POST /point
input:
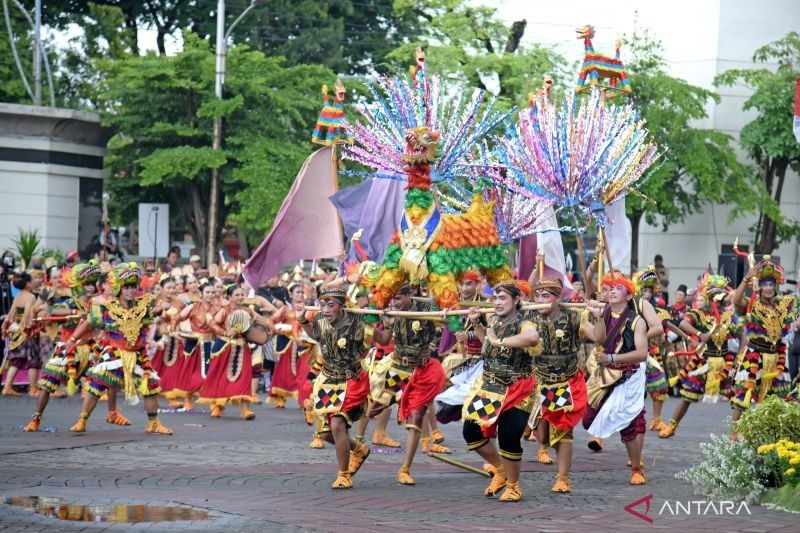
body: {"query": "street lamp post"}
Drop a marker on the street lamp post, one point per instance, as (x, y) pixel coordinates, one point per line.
(219, 81)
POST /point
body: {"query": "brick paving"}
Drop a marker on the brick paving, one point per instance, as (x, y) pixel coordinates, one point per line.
(262, 476)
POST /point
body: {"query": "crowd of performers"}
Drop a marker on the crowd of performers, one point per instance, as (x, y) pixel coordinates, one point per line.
(528, 362)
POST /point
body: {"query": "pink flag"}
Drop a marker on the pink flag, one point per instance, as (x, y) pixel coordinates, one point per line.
(548, 238)
(307, 225)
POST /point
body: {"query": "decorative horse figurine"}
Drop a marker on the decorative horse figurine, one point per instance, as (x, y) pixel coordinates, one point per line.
(607, 73)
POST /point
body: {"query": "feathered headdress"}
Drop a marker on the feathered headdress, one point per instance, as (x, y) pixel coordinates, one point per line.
(768, 270)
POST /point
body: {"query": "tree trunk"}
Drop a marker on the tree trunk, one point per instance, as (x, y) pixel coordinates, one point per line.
(768, 240)
(133, 37)
(196, 216)
(515, 36)
(162, 49)
(636, 219)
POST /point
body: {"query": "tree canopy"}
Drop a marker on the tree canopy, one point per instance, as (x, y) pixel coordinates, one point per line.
(768, 139)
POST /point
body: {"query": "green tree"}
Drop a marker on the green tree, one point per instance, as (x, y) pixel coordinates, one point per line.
(12, 90)
(768, 138)
(162, 109)
(468, 43)
(700, 165)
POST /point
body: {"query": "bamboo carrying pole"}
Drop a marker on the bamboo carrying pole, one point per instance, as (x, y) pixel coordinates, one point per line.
(438, 315)
(459, 464)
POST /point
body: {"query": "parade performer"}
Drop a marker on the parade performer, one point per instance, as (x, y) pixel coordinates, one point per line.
(197, 343)
(616, 386)
(766, 318)
(22, 334)
(500, 402)
(709, 370)
(289, 347)
(461, 352)
(66, 368)
(123, 362)
(409, 375)
(645, 305)
(230, 373)
(167, 346)
(342, 386)
(559, 382)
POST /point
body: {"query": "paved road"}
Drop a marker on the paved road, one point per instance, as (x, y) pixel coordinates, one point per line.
(261, 476)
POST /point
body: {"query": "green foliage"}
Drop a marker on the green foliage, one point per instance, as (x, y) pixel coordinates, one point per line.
(55, 253)
(786, 497)
(27, 244)
(768, 139)
(700, 165)
(12, 89)
(467, 43)
(162, 109)
(770, 421)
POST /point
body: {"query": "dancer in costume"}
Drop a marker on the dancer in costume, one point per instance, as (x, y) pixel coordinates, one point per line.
(66, 368)
(616, 386)
(644, 303)
(709, 370)
(258, 305)
(559, 381)
(197, 345)
(22, 333)
(123, 362)
(766, 318)
(289, 347)
(500, 402)
(166, 353)
(342, 386)
(461, 352)
(230, 374)
(409, 375)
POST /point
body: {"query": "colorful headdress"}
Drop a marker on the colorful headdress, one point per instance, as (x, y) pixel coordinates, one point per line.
(77, 276)
(768, 270)
(333, 293)
(525, 288)
(550, 284)
(646, 278)
(511, 287)
(619, 279)
(472, 275)
(713, 284)
(126, 274)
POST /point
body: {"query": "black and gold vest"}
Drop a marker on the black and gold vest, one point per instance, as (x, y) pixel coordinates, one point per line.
(501, 364)
(343, 344)
(414, 339)
(560, 340)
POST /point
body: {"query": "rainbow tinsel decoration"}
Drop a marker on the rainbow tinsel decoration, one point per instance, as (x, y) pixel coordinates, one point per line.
(579, 157)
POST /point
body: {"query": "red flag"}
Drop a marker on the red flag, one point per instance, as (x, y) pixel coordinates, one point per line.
(307, 225)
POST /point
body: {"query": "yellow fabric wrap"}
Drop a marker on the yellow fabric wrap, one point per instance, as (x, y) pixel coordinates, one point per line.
(128, 364)
(385, 379)
(769, 364)
(483, 406)
(716, 365)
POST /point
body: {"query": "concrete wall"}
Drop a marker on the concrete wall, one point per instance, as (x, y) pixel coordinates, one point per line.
(44, 153)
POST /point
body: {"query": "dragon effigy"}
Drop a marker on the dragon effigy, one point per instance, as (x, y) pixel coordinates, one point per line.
(414, 131)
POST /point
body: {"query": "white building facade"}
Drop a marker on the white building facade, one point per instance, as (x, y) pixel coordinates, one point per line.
(51, 175)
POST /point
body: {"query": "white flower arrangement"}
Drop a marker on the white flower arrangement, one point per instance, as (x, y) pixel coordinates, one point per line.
(730, 470)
